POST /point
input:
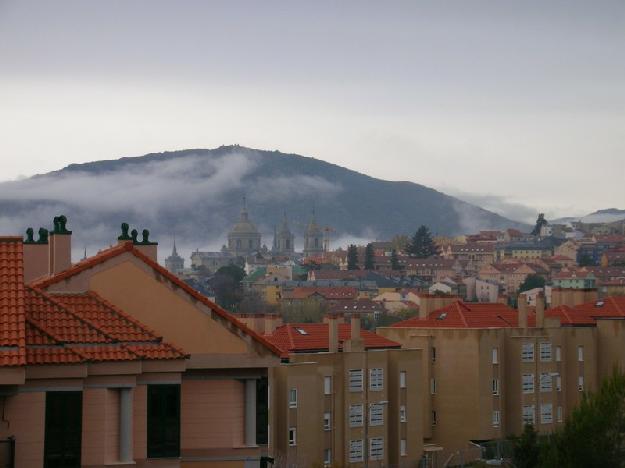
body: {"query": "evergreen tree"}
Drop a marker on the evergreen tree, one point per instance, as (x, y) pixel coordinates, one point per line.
(532, 281)
(395, 261)
(422, 245)
(352, 257)
(369, 257)
(526, 448)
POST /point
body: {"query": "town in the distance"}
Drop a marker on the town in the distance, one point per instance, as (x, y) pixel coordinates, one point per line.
(418, 350)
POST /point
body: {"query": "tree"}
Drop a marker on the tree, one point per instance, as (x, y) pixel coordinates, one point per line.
(526, 448)
(585, 260)
(400, 242)
(395, 261)
(594, 434)
(422, 245)
(369, 257)
(540, 222)
(227, 286)
(532, 281)
(352, 257)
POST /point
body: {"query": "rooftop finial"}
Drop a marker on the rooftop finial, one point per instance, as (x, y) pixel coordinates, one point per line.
(133, 235)
(60, 225)
(43, 236)
(124, 235)
(29, 236)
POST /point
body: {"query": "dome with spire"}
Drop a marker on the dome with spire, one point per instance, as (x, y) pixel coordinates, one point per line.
(244, 238)
(284, 239)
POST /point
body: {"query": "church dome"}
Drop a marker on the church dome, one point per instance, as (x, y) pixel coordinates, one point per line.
(244, 225)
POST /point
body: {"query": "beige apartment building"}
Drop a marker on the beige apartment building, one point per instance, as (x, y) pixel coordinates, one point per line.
(491, 369)
(346, 397)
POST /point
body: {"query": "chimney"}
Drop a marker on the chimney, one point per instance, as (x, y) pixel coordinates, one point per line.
(333, 333)
(36, 252)
(355, 342)
(426, 305)
(540, 310)
(60, 246)
(145, 246)
(522, 311)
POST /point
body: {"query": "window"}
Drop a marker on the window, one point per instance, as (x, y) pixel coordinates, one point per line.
(292, 436)
(433, 354)
(495, 386)
(402, 448)
(402, 414)
(528, 414)
(376, 414)
(355, 380)
(580, 353)
(580, 383)
(376, 379)
(434, 421)
(496, 418)
(527, 352)
(433, 386)
(355, 451)
(545, 351)
(559, 413)
(293, 398)
(558, 353)
(327, 421)
(546, 413)
(376, 448)
(495, 355)
(63, 429)
(528, 383)
(558, 383)
(327, 456)
(402, 379)
(355, 415)
(546, 382)
(163, 422)
(327, 385)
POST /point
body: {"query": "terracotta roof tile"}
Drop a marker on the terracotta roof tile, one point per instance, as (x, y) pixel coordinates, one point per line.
(12, 302)
(128, 247)
(308, 337)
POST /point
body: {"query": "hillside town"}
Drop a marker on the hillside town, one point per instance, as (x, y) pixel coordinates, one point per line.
(416, 351)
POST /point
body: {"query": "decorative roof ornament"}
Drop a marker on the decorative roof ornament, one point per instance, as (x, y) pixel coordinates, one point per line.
(124, 235)
(60, 225)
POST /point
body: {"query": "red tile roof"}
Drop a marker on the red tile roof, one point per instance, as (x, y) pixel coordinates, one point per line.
(314, 337)
(610, 307)
(12, 303)
(570, 316)
(339, 292)
(120, 249)
(461, 314)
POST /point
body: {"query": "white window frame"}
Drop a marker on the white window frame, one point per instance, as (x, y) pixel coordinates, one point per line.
(546, 382)
(402, 379)
(327, 385)
(558, 353)
(293, 398)
(545, 351)
(526, 412)
(356, 451)
(292, 436)
(327, 421)
(546, 413)
(376, 414)
(527, 383)
(433, 353)
(356, 417)
(527, 352)
(580, 353)
(434, 418)
(580, 383)
(432, 386)
(559, 414)
(496, 419)
(376, 379)
(376, 448)
(356, 380)
(403, 448)
(403, 415)
(495, 386)
(327, 457)
(495, 355)
(558, 383)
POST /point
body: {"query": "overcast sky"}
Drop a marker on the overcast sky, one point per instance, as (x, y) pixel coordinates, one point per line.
(507, 103)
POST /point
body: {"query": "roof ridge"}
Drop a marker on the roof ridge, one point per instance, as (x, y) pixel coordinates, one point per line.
(461, 313)
(88, 322)
(35, 323)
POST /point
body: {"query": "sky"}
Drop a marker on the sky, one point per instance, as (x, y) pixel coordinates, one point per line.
(516, 106)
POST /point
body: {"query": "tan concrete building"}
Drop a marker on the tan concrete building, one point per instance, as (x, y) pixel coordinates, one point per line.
(346, 397)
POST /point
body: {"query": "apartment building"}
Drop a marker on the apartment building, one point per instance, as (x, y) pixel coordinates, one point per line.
(346, 397)
(491, 369)
(116, 361)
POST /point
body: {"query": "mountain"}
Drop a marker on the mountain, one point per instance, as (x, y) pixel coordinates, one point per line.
(197, 194)
(608, 215)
